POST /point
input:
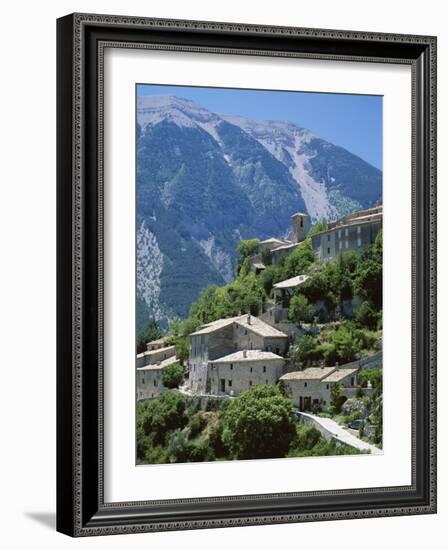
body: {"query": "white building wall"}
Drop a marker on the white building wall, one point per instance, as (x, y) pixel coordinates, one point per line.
(239, 376)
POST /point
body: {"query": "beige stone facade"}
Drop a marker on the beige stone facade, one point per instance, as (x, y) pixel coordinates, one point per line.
(237, 372)
(155, 355)
(353, 232)
(149, 378)
(225, 336)
(312, 387)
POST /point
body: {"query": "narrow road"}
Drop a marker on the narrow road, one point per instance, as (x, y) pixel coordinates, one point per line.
(330, 428)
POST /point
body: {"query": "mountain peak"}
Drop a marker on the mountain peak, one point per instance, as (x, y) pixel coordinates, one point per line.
(151, 109)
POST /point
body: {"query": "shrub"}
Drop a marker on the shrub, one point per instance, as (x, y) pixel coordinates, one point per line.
(157, 417)
(196, 425)
(300, 310)
(367, 316)
(258, 424)
(172, 376)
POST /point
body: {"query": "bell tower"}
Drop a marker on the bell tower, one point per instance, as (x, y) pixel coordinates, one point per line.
(300, 223)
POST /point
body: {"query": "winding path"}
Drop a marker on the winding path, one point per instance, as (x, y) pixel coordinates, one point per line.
(331, 429)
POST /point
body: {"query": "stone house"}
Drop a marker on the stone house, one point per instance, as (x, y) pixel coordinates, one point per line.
(156, 344)
(225, 336)
(155, 355)
(149, 378)
(352, 232)
(312, 387)
(236, 372)
(279, 248)
(284, 290)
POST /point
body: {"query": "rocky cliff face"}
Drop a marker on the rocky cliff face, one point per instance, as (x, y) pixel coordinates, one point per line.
(205, 181)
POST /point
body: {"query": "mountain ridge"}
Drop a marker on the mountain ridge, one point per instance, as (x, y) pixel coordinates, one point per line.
(206, 180)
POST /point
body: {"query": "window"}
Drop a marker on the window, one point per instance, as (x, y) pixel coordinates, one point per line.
(231, 366)
(346, 231)
(328, 386)
(358, 242)
(346, 243)
(230, 383)
(358, 230)
(250, 382)
(251, 369)
(339, 233)
(301, 222)
(305, 384)
(155, 383)
(264, 368)
(143, 379)
(352, 381)
(267, 382)
(328, 250)
(245, 332)
(328, 237)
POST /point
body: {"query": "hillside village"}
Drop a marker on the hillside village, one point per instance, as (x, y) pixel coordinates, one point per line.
(315, 335)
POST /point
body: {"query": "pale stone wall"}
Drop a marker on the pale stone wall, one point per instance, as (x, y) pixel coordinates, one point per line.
(235, 377)
(153, 357)
(245, 338)
(307, 390)
(355, 237)
(205, 348)
(149, 383)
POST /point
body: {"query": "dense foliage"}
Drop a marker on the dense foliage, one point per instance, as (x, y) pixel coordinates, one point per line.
(258, 424)
(172, 375)
(152, 331)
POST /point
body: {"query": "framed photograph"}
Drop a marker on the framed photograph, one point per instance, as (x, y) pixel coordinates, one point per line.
(246, 274)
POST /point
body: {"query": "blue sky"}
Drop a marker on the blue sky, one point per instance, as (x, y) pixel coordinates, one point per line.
(354, 122)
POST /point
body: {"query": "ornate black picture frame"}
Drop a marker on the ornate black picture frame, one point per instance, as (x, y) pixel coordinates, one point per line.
(81, 509)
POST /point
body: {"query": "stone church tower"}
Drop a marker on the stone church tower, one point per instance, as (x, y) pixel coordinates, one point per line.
(300, 224)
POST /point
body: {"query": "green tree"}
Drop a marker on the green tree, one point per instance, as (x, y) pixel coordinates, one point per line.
(299, 260)
(267, 278)
(346, 344)
(157, 417)
(246, 249)
(266, 256)
(336, 400)
(182, 349)
(367, 316)
(321, 225)
(151, 332)
(302, 350)
(369, 274)
(300, 310)
(258, 424)
(172, 375)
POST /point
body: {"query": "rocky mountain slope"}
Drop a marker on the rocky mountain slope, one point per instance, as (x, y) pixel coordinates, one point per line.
(205, 181)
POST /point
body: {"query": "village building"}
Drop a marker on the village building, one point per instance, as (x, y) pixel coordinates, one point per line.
(149, 378)
(312, 387)
(155, 356)
(279, 248)
(156, 344)
(225, 336)
(352, 232)
(284, 290)
(237, 372)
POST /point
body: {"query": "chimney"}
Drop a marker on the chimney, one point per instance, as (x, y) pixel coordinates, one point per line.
(244, 353)
(248, 319)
